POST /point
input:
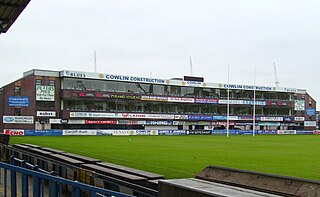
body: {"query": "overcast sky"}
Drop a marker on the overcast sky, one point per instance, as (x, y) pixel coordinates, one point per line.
(156, 37)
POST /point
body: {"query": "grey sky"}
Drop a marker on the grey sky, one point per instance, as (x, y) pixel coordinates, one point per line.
(143, 37)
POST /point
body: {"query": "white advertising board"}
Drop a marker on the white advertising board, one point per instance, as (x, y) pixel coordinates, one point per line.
(299, 119)
(271, 118)
(45, 93)
(310, 123)
(79, 132)
(46, 113)
(18, 119)
(299, 105)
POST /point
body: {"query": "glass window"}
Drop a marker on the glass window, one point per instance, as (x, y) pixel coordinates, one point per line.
(51, 82)
(17, 90)
(38, 82)
(44, 105)
(17, 111)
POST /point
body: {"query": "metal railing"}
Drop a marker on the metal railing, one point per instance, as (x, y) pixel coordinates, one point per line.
(44, 183)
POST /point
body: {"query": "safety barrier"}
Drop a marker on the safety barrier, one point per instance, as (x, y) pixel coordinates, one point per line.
(45, 183)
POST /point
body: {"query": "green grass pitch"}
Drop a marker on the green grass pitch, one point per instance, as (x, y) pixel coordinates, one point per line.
(185, 156)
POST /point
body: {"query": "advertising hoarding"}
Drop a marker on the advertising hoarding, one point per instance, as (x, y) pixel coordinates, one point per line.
(18, 119)
(299, 105)
(13, 132)
(45, 93)
(310, 123)
(46, 113)
(18, 101)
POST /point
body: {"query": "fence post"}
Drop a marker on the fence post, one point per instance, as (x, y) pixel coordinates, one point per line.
(25, 189)
(52, 188)
(36, 183)
(13, 179)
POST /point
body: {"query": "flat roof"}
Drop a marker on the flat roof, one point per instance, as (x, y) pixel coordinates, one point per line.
(9, 12)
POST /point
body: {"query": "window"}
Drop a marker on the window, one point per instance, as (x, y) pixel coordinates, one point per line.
(17, 111)
(51, 82)
(38, 82)
(44, 105)
(17, 90)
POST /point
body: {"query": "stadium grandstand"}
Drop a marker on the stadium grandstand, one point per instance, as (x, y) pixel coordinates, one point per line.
(88, 103)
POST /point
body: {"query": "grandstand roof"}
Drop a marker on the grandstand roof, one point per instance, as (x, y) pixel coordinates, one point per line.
(9, 12)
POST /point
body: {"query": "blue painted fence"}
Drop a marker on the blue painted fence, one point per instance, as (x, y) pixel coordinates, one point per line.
(55, 184)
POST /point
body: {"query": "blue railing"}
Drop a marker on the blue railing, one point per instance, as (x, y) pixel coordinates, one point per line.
(54, 185)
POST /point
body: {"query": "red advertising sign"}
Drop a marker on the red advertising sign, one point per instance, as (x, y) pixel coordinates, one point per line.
(13, 132)
(100, 122)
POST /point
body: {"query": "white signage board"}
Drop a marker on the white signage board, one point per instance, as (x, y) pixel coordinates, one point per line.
(310, 123)
(18, 119)
(45, 93)
(299, 105)
(79, 132)
(271, 118)
(46, 113)
(299, 119)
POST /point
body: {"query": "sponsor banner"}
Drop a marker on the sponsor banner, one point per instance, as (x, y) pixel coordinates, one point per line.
(273, 103)
(18, 101)
(46, 113)
(43, 132)
(123, 132)
(100, 122)
(65, 121)
(94, 115)
(110, 77)
(243, 123)
(283, 104)
(299, 105)
(298, 118)
(288, 119)
(231, 102)
(271, 118)
(86, 94)
(233, 118)
(305, 132)
(223, 132)
(193, 83)
(158, 122)
(267, 132)
(222, 123)
(198, 123)
(249, 102)
(246, 87)
(242, 132)
(316, 132)
(181, 99)
(311, 111)
(172, 132)
(269, 124)
(79, 132)
(202, 132)
(286, 132)
(151, 116)
(219, 117)
(154, 98)
(146, 132)
(18, 119)
(245, 117)
(181, 117)
(132, 122)
(45, 93)
(14, 132)
(310, 123)
(207, 101)
(199, 117)
(104, 132)
(121, 96)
